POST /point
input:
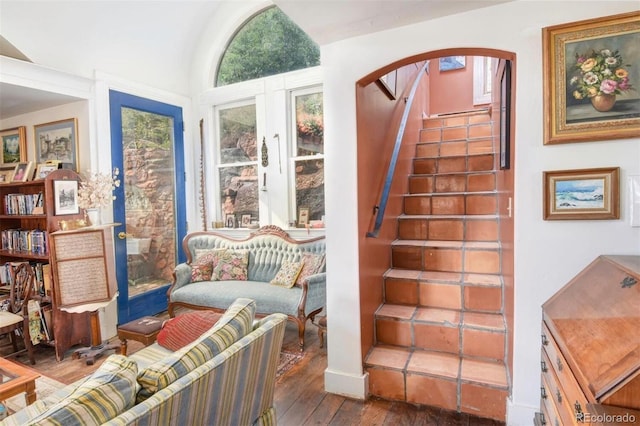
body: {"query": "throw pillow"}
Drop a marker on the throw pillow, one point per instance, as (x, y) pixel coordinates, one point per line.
(108, 392)
(312, 264)
(204, 263)
(186, 328)
(286, 276)
(232, 266)
(234, 324)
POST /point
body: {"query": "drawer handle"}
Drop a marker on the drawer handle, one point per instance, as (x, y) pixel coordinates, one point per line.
(577, 408)
(559, 364)
(545, 341)
(543, 366)
(543, 392)
(543, 421)
(628, 282)
(558, 395)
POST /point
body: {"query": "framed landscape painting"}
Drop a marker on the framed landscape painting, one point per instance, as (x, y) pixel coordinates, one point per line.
(58, 141)
(13, 145)
(582, 194)
(591, 79)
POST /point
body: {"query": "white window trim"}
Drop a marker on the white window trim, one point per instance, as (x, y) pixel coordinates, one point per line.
(481, 80)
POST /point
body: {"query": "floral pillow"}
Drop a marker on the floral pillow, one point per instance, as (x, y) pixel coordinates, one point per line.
(286, 276)
(232, 266)
(312, 264)
(205, 262)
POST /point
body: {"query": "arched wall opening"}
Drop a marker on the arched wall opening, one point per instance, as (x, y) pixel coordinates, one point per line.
(378, 117)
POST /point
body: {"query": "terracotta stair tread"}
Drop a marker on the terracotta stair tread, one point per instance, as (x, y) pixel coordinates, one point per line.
(441, 194)
(487, 245)
(484, 372)
(450, 216)
(491, 280)
(449, 317)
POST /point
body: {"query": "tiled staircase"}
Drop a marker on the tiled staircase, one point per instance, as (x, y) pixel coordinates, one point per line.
(441, 334)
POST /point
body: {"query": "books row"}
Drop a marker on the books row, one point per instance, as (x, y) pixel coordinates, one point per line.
(23, 204)
(24, 240)
(42, 282)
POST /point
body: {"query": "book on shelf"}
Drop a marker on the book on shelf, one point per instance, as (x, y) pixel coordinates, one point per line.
(23, 204)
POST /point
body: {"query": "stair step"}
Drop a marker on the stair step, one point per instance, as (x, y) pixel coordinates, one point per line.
(445, 290)
(456, 181)
(434, 378)
(451, 203)
(456, 227)
(464, 146)
(458, 163)
(480, 334)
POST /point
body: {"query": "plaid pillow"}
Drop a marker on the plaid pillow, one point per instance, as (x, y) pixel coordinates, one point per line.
(109, 391)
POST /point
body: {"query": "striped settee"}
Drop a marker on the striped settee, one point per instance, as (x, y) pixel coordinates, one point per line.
(268, 249)
(226, 377)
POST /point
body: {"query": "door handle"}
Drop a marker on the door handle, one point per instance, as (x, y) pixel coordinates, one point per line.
(123, 235)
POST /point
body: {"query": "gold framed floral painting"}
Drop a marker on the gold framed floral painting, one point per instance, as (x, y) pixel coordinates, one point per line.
(592, 79)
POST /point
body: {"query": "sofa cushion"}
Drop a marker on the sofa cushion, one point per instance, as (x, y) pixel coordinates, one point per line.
(286, 276)
(232, 265)
(186, 328)
(312, 264)
(235, 323)
(109, 391)
(204, 263)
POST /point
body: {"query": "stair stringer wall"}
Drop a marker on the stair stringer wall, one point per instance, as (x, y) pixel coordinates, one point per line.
(378, 118)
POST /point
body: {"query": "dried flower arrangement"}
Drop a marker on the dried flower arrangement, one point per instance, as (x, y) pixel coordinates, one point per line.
(97, 190)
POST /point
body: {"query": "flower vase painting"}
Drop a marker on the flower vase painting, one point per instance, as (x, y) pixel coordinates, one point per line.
(592, 76)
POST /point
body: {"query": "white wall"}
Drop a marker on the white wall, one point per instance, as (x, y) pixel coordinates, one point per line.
(547, 254)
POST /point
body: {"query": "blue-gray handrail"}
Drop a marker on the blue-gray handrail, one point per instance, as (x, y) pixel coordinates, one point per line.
(380, 208)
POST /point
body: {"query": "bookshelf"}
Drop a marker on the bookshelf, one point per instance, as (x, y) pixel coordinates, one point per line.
(27, 219)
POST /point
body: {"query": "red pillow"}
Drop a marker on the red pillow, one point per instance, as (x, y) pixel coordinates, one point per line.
(186, 328)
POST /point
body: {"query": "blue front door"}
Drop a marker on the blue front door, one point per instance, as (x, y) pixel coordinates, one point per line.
(147, 147)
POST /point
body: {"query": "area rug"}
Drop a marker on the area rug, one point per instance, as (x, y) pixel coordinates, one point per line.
(287, 361)
(45, 386)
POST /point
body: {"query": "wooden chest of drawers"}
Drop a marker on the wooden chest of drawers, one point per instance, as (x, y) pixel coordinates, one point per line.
(591, 343)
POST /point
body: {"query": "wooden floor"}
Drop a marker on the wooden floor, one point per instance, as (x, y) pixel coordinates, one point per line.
(300, 398)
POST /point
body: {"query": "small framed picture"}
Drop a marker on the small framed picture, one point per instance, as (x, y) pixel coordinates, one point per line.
(245, 221)
(65, 195)
(230, 221)
(303, 216)
(582, 194)
(58, 141)
(44, 169)
(450, 63)
(6, 173)
(23, 172)
(13, 145)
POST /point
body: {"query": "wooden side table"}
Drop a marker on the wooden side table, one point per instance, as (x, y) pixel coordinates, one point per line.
(143, 330)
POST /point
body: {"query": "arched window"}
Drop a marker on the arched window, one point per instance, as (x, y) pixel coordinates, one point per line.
(268, 44)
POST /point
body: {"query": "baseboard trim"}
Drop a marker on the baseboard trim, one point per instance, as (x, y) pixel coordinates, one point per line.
(347, 385)
(518, 415)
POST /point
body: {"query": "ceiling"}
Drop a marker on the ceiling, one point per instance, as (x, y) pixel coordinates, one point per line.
(103, 30)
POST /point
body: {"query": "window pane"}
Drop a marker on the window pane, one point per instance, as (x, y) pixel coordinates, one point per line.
(239, 192)
(268, 44)
(310, 187)
(309, 124)
(238, 134)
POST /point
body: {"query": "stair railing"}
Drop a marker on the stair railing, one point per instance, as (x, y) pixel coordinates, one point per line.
(379, 209)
